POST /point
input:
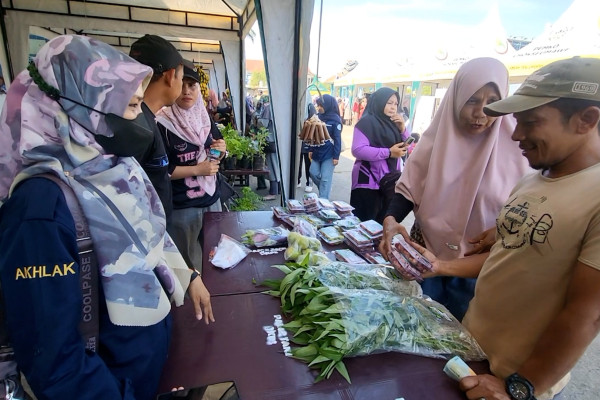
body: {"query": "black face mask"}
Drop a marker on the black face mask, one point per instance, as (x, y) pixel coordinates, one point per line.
(131, 137)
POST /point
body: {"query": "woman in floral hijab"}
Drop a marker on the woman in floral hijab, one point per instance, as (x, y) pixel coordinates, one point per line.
(65, 117)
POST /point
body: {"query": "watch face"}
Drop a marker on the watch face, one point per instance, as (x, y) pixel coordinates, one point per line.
(518, 391)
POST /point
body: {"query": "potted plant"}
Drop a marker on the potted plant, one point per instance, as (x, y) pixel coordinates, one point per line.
(234, 145)
(247, 201)
(246, 153)
(259, 142)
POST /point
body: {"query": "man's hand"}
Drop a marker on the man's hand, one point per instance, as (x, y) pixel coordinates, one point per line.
(482, 242)
(335, 162)
(484, 386)
(207, 168)
(201, 299)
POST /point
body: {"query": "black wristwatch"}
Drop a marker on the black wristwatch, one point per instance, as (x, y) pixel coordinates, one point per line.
(194, 275)
(519, 388)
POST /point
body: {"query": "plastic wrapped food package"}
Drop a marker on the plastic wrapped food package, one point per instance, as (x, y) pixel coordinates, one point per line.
(349, 222)
(372, 228)
(331, 235)
(305, 228)
(347, 255)
(266, 237)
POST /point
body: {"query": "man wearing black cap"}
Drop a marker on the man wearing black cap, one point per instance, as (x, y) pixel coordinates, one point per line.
(536, 305)
(164, 88)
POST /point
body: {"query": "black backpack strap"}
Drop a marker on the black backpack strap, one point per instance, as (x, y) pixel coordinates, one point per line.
(88, 267)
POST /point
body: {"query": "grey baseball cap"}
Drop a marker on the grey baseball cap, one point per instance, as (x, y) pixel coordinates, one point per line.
(574, 78)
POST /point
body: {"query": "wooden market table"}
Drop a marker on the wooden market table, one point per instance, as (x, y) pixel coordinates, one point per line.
(255, 268)
(246, 346)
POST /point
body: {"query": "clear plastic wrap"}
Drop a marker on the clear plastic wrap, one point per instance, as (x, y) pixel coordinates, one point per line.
(304, 228)
(340, 310)
(378, 320)
(299, 246)
(382, 313)
(331, 235)
(365, 276)
(266, 237)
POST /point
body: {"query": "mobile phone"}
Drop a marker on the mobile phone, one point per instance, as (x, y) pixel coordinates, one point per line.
(409, 140)
(214, 154)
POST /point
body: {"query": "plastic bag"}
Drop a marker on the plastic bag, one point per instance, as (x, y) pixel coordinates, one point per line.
(340, 310)
(304, 228)
(381, 313)
(275, 236)
(228, 253)
(378, 320)
(298, 245)
(366, 276)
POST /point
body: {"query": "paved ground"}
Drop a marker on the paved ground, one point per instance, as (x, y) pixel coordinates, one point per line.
(585, 381)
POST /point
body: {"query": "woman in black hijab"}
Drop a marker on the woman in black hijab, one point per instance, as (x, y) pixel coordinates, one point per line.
(378, 146)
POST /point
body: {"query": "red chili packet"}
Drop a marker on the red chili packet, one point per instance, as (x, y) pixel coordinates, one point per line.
(359, 249)
(421, 263)
(401, 264)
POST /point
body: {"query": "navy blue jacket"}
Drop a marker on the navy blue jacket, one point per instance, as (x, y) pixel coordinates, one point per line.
(39, 272)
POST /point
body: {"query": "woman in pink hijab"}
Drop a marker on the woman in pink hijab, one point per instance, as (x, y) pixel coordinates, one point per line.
(459, 176)
(194, 146)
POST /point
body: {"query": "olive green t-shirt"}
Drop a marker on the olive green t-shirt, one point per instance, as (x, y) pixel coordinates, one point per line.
(546, 226)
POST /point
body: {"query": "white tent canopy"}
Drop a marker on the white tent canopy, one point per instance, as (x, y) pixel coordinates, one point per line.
(575, 33)
(209, 32)
(436, 58)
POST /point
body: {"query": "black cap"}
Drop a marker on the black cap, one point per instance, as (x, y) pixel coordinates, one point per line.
(156, 53)
(189, 71)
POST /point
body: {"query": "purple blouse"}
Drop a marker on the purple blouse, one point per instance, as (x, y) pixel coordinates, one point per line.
(363, 178)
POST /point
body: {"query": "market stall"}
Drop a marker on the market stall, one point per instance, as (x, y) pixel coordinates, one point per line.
(250, 345)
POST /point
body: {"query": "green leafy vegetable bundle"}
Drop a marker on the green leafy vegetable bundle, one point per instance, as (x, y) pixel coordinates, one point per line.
(340, 310)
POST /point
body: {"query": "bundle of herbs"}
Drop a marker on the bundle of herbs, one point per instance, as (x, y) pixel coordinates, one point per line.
(341, 310)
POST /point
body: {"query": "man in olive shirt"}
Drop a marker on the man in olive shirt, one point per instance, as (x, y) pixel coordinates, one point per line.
(536, 305)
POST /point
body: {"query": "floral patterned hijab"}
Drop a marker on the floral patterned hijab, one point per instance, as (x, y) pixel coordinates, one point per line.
(138, 262)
